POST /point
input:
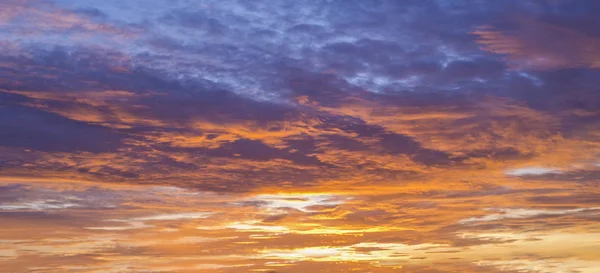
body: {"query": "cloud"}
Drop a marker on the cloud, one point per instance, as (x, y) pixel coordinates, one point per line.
(525, 213)
(34, 124)
(533, 44)
(531, 171)
(302, 202)
(325, 136)
(131, 225)
(42, 205)
(139, 222)
(175, 216)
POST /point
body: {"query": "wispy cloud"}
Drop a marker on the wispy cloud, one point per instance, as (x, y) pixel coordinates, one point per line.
(531, 171)
(526, 213)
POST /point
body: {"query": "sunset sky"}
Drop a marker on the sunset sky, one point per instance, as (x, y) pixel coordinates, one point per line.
(295, 136)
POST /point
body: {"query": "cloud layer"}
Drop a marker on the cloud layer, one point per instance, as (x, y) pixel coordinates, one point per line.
(236, 136)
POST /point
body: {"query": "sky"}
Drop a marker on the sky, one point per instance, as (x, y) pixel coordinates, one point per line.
(368, 136)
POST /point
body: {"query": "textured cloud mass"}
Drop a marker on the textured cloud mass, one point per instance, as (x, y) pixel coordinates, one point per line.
(296, 136)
